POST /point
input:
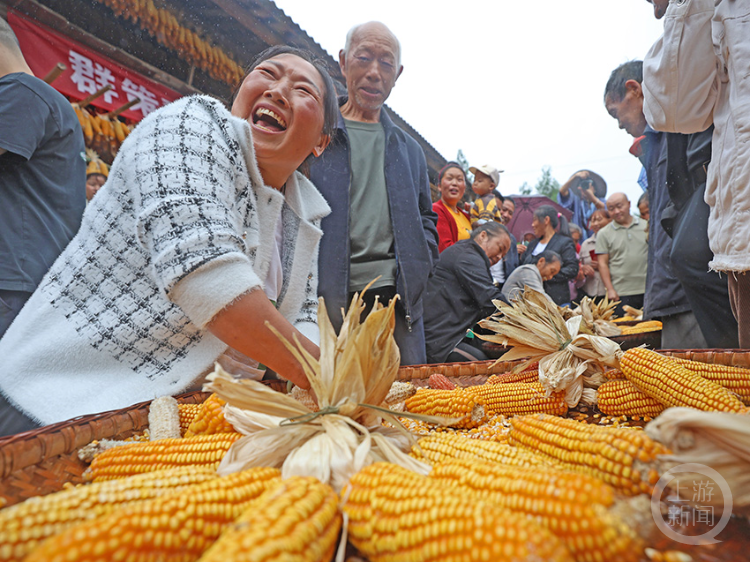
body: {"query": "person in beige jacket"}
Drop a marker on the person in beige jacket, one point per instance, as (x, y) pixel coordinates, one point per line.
(696, 75)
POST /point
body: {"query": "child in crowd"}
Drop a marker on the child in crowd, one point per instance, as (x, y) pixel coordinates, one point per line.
(485, 208)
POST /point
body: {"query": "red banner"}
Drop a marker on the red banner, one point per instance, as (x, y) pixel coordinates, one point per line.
(87, 71)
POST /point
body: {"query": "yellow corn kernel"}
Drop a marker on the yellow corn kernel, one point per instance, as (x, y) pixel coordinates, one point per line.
(297, 519)
(127, 460)
(173, 528)
(187, 415)
(397, 515)
(622, 398)
(457, 403)
(25, 525)
(735, 379)
(518, 398)
(552, 498)
(623, 458)
(446, 446)
(673, 385)
(210, 419)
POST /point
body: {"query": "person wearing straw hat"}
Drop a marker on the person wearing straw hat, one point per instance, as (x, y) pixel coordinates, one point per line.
(582, 194)
(42, 174)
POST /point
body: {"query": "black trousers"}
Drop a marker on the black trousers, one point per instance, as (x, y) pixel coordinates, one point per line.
(706, 291)
(12, 421)
(636, 301)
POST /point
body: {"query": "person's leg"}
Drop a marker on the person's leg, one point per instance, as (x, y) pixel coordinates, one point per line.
(410, 342)
(681, 331)
(739, 297)
(12, 421)
(706, 291)
(11, 303)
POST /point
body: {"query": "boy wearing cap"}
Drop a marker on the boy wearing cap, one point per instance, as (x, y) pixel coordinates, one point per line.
(96, 174)
(485, 207)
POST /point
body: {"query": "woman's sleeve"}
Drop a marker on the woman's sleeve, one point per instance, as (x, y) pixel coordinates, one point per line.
(680, 76)
(569, 267)
(445, 238)
(188, 217)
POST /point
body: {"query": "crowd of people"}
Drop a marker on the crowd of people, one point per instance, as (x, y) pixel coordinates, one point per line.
(207, 233)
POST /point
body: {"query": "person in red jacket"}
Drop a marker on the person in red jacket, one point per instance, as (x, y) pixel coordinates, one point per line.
(453, 221)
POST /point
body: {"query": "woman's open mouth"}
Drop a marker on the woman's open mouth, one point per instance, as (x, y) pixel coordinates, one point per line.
(267, 119)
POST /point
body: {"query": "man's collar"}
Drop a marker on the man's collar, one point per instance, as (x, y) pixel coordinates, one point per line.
(385, 119)
(635, 221)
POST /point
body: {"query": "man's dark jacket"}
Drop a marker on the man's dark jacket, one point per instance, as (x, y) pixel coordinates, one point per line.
(557, 287)
(413, 221)
(459, 293)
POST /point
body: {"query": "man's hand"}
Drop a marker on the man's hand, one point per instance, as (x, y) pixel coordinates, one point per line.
(521, 248)
(587, 271)
(612, 295)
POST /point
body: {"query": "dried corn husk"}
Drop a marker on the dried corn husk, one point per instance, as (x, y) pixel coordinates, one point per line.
(354, 373)
(597, 316)
(716, 439)
(534, 328)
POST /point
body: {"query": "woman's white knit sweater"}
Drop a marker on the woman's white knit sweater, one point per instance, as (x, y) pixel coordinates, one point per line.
(183, 226)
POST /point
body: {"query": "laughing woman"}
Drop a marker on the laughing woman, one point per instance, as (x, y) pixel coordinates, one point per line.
(203, 232)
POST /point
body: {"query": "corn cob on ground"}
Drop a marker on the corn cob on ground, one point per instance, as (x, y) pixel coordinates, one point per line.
(518, 398)
(25, 525)
(735, 379)
(297, 519)
(459, 403)
(673, 385)
(572, 506)
(201, 451)
(440, 447)
(623, 458)
(396, 515)
(210, 419)
(622, 398)
(178, 527)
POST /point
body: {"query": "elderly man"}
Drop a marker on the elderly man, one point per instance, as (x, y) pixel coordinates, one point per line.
(502, 269)
(374, 177)
(622, 248)
(691, 301)
(461, 292)
(695, 81)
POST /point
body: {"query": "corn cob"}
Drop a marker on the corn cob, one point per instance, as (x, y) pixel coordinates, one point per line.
(178, 527)
(673, 385)
(203, 450)
(735, 379)
(457, 403)
(623, 458)
(164, 418)
(440, 447)
(187, 415)
(440, 382)
(622, 398)
(399, 392)
(572, 506)
(25, 525)
(210, 419)
(613, 374)
(517, 398)
(396, 515)
(529, 376)
(641, 327)
(297, 519)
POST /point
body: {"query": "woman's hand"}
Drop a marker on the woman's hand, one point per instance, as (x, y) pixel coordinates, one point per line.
(586, 271)
(612, 295)
(521, 248)
(242, 325)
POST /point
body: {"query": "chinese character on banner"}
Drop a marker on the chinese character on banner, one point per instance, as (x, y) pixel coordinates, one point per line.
(89, 76)
(703, 491)
(148, 101)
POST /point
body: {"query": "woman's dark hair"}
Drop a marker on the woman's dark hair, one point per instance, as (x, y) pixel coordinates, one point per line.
(492, 229)
(602, 212)
(447, 167)
(550, 256)
(330, 102)
(555, 218)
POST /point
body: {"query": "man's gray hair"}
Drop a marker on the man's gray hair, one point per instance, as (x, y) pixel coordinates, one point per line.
(353, 30)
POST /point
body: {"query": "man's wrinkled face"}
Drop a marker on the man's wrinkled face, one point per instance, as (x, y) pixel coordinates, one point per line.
(549, 270)
(371, 67)
(628, 111)
(507, 210)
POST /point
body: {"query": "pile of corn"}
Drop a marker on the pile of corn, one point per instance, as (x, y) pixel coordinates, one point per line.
(641, 327)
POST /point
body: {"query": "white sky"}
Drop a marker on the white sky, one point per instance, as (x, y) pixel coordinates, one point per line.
(518, 85)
